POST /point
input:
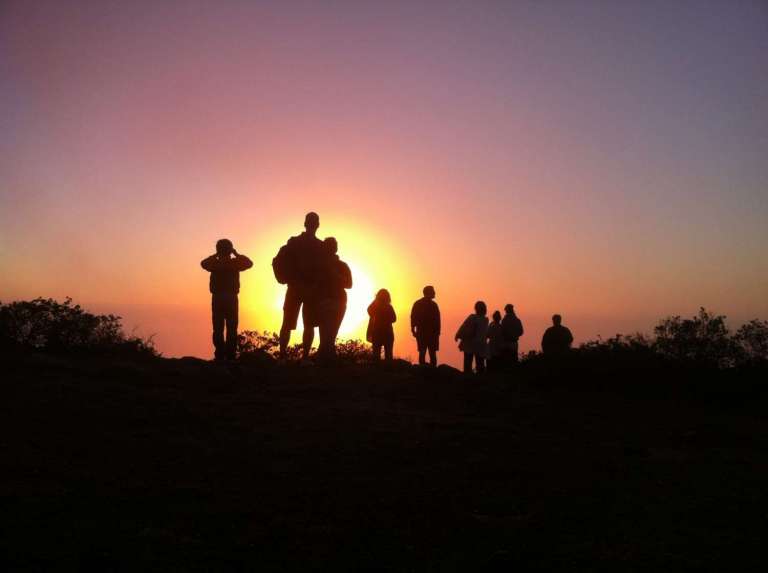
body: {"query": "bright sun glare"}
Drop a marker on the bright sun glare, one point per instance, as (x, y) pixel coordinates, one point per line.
(358, 298)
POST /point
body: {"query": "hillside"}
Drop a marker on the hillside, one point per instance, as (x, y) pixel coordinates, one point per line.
(182, 465)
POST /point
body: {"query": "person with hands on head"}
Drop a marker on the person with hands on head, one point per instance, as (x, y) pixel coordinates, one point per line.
(225, 266)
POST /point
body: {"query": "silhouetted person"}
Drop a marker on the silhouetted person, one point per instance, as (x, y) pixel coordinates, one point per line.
(380, 332)
(299, 265)
(333, 298)
(557, 338)
(425, 326)
(496, 346)
(512, 327)
(225, 267)
(472, 335)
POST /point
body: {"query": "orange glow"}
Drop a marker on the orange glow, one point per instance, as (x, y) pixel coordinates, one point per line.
(375, 263)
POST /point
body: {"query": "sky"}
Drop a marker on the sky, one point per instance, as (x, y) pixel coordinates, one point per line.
(604, 160)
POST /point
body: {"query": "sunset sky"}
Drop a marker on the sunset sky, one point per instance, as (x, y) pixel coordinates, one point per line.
(604, 160)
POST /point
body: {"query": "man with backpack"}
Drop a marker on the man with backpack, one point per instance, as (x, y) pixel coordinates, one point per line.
(299, 264)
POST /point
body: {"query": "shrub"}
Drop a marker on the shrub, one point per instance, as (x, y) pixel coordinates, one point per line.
(752, 342)
(703, 340)
(353, 352)
(51, 326)
(252, 344)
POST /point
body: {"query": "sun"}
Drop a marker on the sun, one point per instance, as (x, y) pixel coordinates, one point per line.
(358, 298)
(375, 262)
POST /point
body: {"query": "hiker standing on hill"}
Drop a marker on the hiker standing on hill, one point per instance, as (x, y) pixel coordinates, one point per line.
(380, 332)
(512, 330)
(496, 346)
(299, 265)
(472, 335)
(337, 277)
(557, 338)
(425, 326)
(225, 267)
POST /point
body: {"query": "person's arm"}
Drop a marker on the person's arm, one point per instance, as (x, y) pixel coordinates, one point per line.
(439, 325)
(210, 264)
(569, 337)
(241, 262)
(462, 331)
(347, 276)
(393, 315)
(414, 318)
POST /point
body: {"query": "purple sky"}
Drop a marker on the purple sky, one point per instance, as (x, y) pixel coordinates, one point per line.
(608, 160)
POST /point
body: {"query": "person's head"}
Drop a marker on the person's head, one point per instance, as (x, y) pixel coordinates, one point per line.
(557, 319)
(224, 247)
(383, 296)
(509, 308)
(496, 316)
(480, 308)
(331, 246)
(429, 292)
(312, 222)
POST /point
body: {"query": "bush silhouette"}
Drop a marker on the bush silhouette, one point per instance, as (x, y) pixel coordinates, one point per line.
(50, 326)
(254, 345)
(703, 340)
(752, 342)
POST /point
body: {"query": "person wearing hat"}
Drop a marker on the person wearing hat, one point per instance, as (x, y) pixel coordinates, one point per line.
(225, 267)
(425, 326)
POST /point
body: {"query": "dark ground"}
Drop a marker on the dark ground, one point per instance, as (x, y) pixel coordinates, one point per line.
(184, 466)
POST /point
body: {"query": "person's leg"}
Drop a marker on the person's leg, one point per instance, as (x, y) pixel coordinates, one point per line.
(232, 321)
(339, 310)
(291, 308)
(432, 356)
(376, 351)
(285, 339)
(324, 329)
(468, 356)
(307, 339)
(310, 316)
(422, 356)
(388, 350)
(513, 353)
(480, 364)
(218, 328)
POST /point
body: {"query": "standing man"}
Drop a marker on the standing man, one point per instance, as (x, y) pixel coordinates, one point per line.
(299, 264)
(425, 326)
(557, 339)
(512, 330)
(225, 267)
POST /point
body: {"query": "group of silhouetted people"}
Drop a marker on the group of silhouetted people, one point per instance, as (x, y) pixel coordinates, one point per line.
(317, 281)
(489, 344)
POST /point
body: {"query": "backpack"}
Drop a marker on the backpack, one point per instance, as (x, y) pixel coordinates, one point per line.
(281, 265)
